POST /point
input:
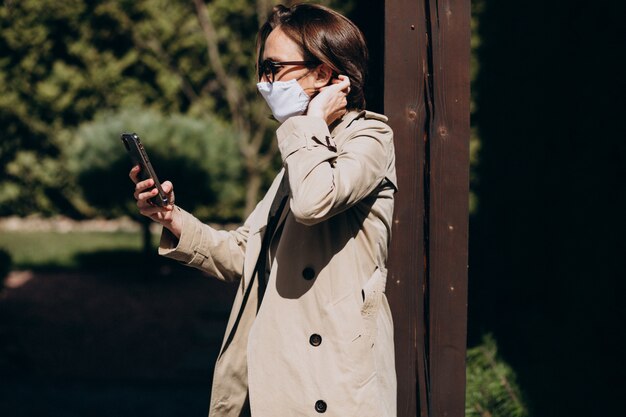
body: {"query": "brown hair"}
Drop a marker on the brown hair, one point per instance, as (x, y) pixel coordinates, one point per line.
(324, 36)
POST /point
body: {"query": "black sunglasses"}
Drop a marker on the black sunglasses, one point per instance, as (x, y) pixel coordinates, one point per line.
(269, 68)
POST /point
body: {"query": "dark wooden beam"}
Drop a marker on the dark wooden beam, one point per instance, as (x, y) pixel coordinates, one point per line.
(426, 92)
(404, 105)
(448, 154)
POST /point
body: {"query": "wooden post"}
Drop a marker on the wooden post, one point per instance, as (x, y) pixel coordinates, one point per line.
(426, 96)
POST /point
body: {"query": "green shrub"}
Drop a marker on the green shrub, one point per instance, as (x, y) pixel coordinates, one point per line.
(491, 390)
(198, 155)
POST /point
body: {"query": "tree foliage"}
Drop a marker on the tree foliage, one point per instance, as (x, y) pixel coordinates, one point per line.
(63, 62)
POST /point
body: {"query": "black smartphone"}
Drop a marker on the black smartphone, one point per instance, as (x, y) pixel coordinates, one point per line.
(140, 157)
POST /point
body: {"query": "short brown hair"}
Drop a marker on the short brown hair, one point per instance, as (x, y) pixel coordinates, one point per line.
(324, 36)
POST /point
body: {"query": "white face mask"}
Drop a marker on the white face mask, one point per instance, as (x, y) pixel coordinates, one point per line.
(285, 98)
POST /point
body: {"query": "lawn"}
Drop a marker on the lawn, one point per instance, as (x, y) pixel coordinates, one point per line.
(56, 250)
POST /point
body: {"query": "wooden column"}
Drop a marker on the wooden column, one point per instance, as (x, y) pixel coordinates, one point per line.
(426, 96)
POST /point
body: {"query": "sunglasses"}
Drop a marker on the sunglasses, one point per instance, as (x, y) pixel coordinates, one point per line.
(269, 68)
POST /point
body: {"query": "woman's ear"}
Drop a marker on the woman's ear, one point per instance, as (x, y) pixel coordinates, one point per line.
(323, 75)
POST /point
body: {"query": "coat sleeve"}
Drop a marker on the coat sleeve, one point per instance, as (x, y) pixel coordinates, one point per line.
(219, 253)
(323, 180)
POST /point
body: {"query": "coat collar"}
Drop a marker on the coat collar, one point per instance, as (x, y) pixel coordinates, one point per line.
(351, 116)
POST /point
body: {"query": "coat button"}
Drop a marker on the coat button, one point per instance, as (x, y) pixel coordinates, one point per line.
(320, 406)
(308, 273)
(315, 339)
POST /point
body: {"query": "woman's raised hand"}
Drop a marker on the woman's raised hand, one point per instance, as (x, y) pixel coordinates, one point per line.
(330, 103)
(168, 216)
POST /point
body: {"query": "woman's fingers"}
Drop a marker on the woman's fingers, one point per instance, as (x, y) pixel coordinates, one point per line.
(145, 191)
(167, 187)
(146, 195)
(339, 83)
(143, 197)
(342, 83)
(342, 86)
(142, 186)
(133, 174)
(147, 208)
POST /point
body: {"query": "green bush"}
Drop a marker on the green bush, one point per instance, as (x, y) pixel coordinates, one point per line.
(491, 390)
(198, 155)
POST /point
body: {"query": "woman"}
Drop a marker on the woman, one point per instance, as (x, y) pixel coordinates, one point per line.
(310, 331)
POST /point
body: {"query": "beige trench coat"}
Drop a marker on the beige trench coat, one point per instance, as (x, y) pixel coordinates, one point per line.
(321, 341)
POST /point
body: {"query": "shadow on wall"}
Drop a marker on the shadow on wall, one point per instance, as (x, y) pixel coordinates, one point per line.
(547, 242)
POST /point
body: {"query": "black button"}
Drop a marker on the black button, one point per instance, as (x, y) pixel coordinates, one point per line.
(308, 273)
(320, 406)
(315, 339)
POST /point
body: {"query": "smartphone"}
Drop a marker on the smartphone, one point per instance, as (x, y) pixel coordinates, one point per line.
(140, 157)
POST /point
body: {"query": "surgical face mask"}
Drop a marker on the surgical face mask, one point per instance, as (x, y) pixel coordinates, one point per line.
(285, 98)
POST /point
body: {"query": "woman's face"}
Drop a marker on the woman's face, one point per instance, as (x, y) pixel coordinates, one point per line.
(280, 48)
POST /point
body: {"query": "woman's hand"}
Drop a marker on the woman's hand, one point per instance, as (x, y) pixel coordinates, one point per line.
(330, 103)
(168, 216)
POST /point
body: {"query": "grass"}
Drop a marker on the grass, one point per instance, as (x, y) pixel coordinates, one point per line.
(71, 250)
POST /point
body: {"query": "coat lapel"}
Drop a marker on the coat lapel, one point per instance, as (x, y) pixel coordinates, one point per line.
(257, 229)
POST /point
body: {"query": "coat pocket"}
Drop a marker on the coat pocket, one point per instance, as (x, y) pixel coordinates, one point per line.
(352, 354)
(372, 293)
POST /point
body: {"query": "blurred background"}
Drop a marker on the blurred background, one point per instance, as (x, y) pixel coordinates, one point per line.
(93, 323)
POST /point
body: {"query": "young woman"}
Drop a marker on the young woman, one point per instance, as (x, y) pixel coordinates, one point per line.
(310, 330)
